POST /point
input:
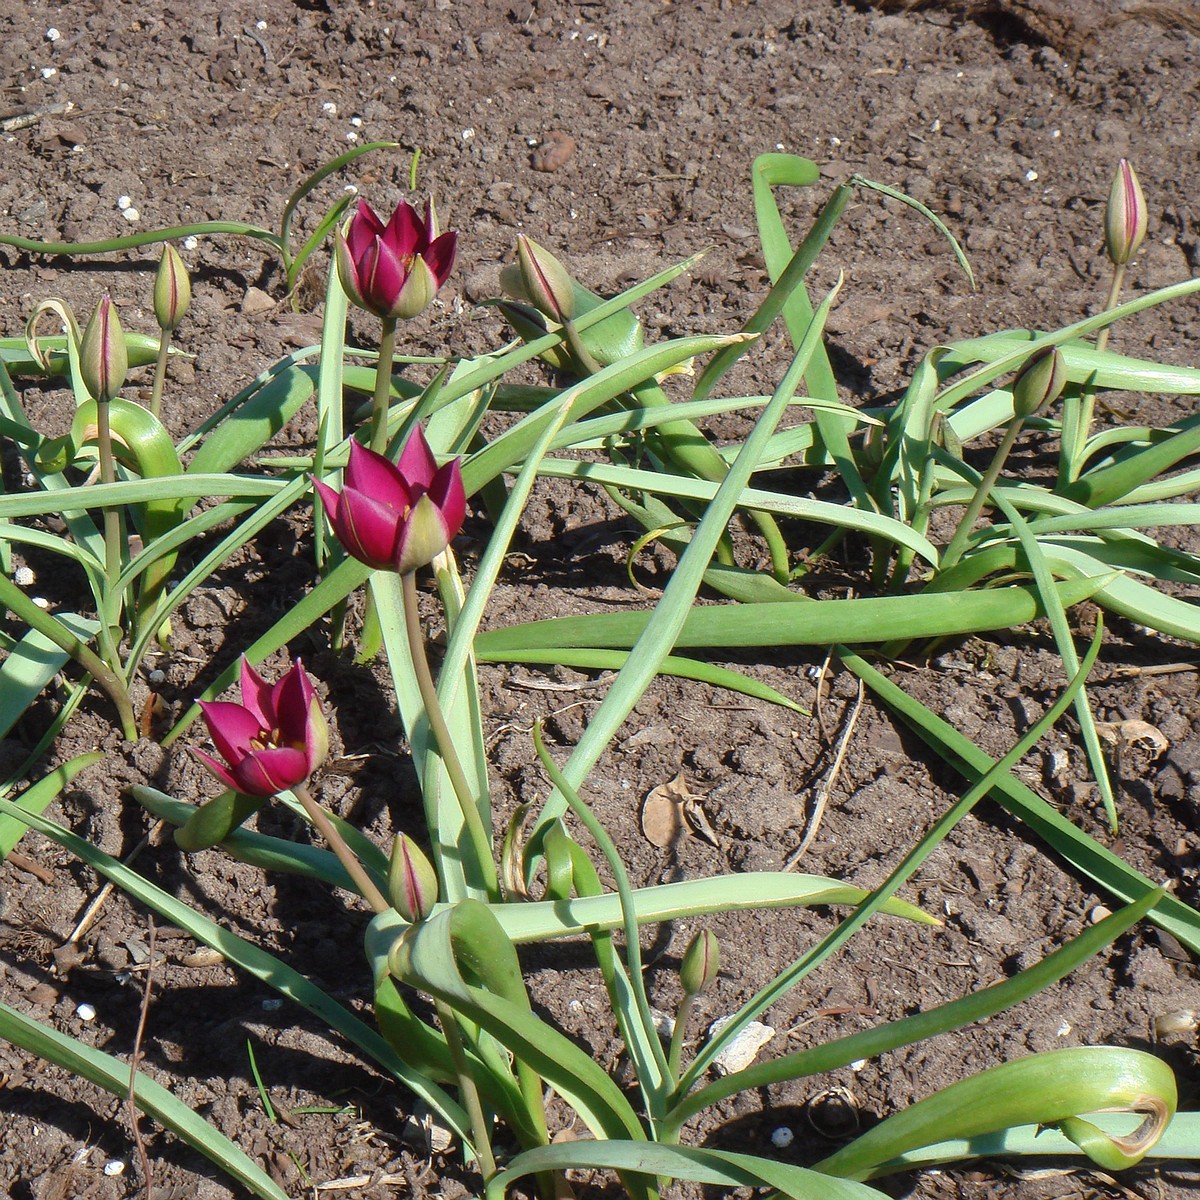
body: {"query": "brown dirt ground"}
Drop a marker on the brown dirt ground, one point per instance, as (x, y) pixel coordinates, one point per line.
(1008, 118)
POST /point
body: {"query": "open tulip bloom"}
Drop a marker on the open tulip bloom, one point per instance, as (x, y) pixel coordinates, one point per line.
(394, 270)
(273, 740)
(396, 517)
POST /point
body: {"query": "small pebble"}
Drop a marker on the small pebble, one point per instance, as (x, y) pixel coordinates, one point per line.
(131, 215)
(40, 601)
(330, 108)
(52, 34)
(123, 202)
(23, 576)
(782, 1138)
(744, 1048)
(114, 1166)
(85, 1012)
(260, 25)
(48, 72)
(356, 122)
(1031, 176)
(858, 1064)
(156, 676)
(1064, 1027)
(191, 242)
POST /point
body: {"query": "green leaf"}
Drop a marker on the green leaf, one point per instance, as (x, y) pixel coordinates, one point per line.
(113, 1075)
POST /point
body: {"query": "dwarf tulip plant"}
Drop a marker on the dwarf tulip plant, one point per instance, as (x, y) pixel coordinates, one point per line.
(455, 1020)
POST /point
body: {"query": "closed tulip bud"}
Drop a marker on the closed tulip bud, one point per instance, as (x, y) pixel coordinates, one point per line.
(103, 358)
(701, 962)
(1125, 217)
(1039, 382)
(172, 290)
(541, 280)
(412, 881)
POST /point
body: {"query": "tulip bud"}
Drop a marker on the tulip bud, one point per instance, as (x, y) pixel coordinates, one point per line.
(542, 280)
(103, 358)
(1039, 382)
(701, 962)
(1125, 217)
(172, 290)
(412, 881)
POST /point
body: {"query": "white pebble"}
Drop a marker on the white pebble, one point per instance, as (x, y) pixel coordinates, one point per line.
(468, 134)
(48, 72)
(157, 676)
(858, 1064)
(131, 215)
(744, 1048)
(1031, 176)
(40, 601)
(782, 1138)
(351, 135)
(23, 576)
(356, 122)
(330, 108)
(123, 202)
(191, 242)
(260, 25)
(114, 1166)
(1064, 1027)
(52, 34)
(85, 1012)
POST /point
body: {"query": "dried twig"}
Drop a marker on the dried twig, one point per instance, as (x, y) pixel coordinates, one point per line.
(135, 1058)
(824, 784)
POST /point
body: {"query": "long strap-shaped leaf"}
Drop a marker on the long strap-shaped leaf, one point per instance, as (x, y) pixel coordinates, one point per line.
(1056, 1088)
(255, 961)
(718, 1168)
(113, 1075)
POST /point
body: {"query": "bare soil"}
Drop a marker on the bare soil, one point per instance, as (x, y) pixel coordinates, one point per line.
(1007, 118)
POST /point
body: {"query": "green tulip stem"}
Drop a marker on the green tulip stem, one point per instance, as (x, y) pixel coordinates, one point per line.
(383, 386)
(678, 1034)
(160, 374)
(958, 542)
(468, 1092)
(481, 843)
(320, 819)
(1087, 398)
(110, 618)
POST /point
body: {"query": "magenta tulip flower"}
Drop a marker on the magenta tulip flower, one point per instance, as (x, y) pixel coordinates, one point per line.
(273, 740)
(396, 517)
(394, 270)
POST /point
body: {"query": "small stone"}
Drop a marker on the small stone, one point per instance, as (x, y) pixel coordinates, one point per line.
(256, 302)
(23, 576)
(114, 1166)
(744, 1048)
(52, 34)
(131, 215)
(782, 1137)
(48, 72)
(85, 1012)
(124, 202)
(157, 676)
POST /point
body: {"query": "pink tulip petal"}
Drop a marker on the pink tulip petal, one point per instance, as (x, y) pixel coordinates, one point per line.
(423, 537)
(440, 256)
(329, 499)
(219, 770)
(364, 228)
(406, 233)
(381, 276)
(257, 696)
(231, 727)
(265, 772)
(417, 293)
(347, 269)
(447, 493)
(292, 699)
(367, 528)
(377, 476)
(417, 466)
